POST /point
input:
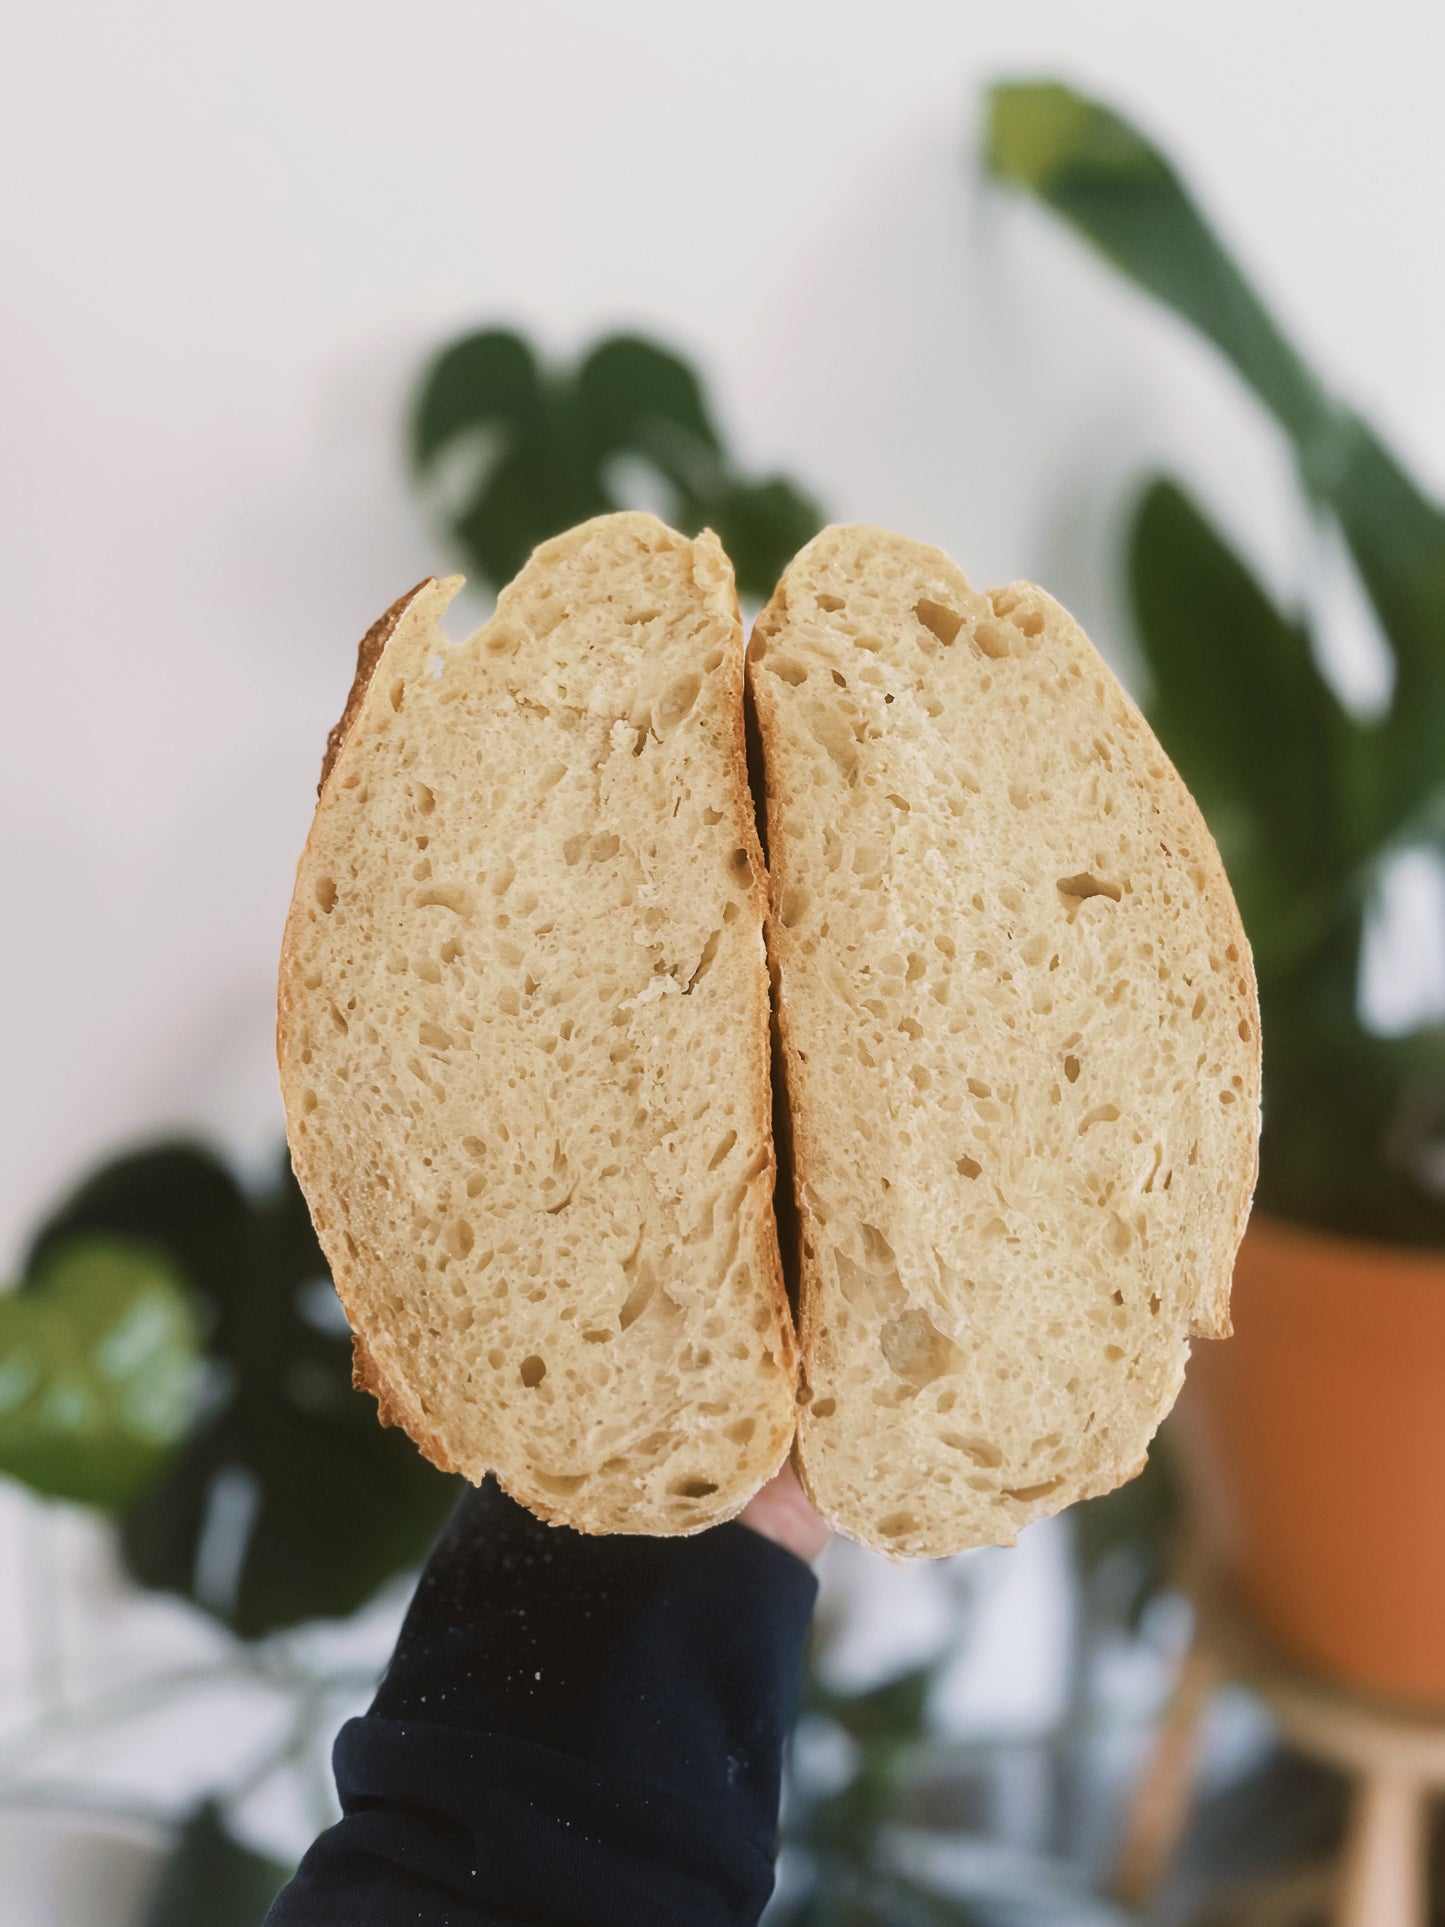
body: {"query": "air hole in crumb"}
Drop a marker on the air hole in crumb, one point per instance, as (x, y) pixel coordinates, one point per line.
(916, 1350)
(787, 669)
(722, 1150)
(693, 1488)
(425, 799)
(824, 1407)
(794, 906)
(326, 894)
(561, 1483)
(398, 693)
(676, 702)
(897, 1525)
(968, 1167)
(532, 1370)
(938, 618)
(1027, 1494)
(1078, 889)
(995, 639)
(830, 603)
(1101, 1114)
(451, 898)
(1071, 1069)
(637, 1300)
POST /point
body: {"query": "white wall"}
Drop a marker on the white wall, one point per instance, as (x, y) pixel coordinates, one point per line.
(231, 232)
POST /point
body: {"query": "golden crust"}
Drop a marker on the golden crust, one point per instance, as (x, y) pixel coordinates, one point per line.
(368, 655)
(367, 1376)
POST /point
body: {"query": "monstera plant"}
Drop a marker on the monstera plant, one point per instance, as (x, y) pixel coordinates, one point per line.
(541, 448)
(174, 1355)
(1313, 1440)
(323, 1505)
(1307, 800)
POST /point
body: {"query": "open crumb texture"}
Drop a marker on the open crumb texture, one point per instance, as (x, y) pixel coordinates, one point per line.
(1021, 1045)
(523, 1039)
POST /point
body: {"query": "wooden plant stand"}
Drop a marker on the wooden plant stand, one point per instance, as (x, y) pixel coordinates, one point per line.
(1396, 1759)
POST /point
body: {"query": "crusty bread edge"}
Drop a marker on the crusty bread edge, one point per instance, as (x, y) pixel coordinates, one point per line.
(769, 619)
(369, 652)
(392, 1406)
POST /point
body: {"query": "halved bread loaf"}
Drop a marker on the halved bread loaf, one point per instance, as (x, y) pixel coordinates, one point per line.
(523, 1038)
(1021, 1045)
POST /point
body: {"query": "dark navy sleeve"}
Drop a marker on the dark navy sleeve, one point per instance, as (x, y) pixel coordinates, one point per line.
(571, 1730)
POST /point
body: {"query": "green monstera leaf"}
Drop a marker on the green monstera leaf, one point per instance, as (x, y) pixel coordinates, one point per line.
(1274, 761)
(286, 1501)
(1118, 192)
(98, 1370)
(546, 448)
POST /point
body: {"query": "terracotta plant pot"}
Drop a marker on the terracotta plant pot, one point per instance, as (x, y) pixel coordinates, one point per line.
(1313, 1447)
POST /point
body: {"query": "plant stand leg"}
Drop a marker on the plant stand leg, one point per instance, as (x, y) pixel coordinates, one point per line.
(1164, 1790)
(1382, 1876)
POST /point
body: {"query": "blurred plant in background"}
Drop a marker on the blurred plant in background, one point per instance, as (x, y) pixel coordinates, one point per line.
(281, 1499)
(1307, 801)
(174, 1355)
(530, 451)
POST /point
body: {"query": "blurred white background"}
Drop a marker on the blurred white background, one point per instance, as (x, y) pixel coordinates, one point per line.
(233, 234)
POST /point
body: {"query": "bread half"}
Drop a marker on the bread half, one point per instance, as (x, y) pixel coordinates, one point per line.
(523, 1038)
(1020, 1035)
